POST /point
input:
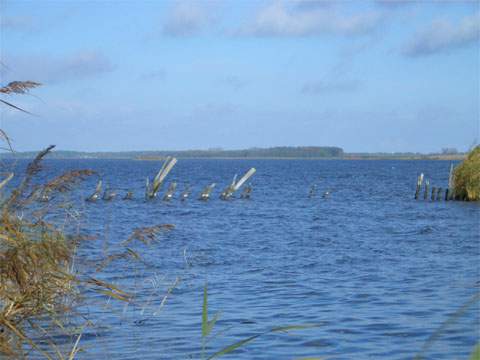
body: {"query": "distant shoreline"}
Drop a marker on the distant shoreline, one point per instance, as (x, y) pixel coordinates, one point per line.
(274, 153)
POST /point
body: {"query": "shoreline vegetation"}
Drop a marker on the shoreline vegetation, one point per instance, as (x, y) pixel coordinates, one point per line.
(280, 153)
(466, 177)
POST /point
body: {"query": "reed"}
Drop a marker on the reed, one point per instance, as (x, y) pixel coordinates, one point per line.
(466, 177)
(17, 87)
(40, 288)
(40, 285)
(209, 324)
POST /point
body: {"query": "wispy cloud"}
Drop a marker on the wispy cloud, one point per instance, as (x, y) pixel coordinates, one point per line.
(153, 75)
(444, 36)
(17, 23)
(233, 82)
(296, 19)
(326, 87)
(312, 4)
(49, 69)
(395, 3)
(187, 18)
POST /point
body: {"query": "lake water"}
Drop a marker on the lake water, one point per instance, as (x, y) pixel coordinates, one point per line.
(377, 271)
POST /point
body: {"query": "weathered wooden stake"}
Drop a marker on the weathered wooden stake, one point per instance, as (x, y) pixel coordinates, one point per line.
(108, 194)
(205, 195)
(434, 192)
(447, 190)
(128, 195)
(247, 192)
(425, 193)
(185, 193)
(439, 194)
(96, 195)
(451, 196)
(170, 191)
(419, 185)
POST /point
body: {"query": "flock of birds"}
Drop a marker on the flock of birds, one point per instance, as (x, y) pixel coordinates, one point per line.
(152, 188)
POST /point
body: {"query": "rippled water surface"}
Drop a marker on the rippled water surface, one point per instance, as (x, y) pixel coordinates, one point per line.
(376, 270)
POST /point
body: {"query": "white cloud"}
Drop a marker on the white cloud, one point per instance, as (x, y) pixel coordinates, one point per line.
(443, 36)
(187, 18)
(280, 19)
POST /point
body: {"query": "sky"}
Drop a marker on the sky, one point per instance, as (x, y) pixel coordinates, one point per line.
(367, 76)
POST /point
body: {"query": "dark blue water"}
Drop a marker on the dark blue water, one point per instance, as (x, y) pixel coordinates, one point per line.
(377, 271)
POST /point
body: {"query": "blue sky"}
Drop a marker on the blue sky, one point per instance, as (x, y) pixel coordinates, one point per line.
(150, 75)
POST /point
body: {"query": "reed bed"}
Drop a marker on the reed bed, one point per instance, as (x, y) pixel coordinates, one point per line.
(467, 177)
(39, 286)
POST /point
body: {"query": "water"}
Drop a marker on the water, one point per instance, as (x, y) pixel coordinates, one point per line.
(377, 271)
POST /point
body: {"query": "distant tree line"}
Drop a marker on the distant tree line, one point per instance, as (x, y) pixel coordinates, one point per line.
(273, 152)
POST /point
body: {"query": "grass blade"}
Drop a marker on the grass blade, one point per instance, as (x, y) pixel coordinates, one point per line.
(476, 353)
(234, 346)
(205, 312)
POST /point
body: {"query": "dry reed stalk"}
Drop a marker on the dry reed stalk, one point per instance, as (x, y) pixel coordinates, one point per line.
(37, 282)
(148, 234)
(17, 87)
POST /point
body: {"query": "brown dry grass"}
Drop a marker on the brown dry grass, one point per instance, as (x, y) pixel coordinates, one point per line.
(17, 87)
(38, 285)
(467, 177)
(36, 281)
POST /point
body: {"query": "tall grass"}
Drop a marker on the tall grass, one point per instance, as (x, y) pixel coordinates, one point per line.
(39, 287)
(467, 177)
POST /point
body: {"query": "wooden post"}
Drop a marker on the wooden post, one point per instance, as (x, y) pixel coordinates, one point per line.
(450, 185)
(185, 193)
(235, 185)
(96, 195)
(425, 193)
(434, 192)
(108, 194)
(419, 185)
(247, 192)
(170, 191)
(205, 195)
(439, 194)
(128, 195)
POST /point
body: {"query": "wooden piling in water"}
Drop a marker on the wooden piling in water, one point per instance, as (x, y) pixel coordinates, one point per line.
(439, 194)
(447, 190)
(96, 195)
(185, 194)
(450, 190)
(425, 193)
(434, 192)
(128, 195)
(247, 192)
(419, 185)
(205, 194)
(170, 191)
